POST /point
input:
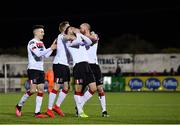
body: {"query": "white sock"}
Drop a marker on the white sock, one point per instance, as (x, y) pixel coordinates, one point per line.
(38, 103)
(102, 100)
(87, 95)
(78, 101)
(24, 98)
(61, 97)
(52, 97)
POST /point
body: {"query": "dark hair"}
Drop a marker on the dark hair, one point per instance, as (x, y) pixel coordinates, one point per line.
(62, 25)
(37, 27)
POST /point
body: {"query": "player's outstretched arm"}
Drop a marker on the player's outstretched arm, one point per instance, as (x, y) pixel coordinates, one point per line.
(33, 47)
(53, 47)
(85, 39)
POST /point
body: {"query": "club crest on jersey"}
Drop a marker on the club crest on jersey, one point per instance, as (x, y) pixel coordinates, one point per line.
(40, 45)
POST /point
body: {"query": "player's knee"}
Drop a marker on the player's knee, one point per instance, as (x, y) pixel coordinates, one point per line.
(66, 89)
(93, 89)
(32, 91)
(77, 89)
(56, 87)
(100, 89)
(41, 89)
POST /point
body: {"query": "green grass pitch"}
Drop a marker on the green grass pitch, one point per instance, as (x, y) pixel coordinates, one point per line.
(124, 108)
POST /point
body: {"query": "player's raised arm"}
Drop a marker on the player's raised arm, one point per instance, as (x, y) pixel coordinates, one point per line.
(53, 47)
(33, 47)
(74, 43)
(73, 40)
(85, 39)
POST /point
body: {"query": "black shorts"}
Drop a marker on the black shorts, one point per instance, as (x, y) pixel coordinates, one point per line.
(36, 76)
(83, 74)
(97, 73)
(61, 73)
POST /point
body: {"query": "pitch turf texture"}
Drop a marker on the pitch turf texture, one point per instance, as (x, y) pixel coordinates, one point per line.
(124, 108)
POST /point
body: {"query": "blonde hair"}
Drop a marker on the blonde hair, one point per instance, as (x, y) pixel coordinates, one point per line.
(62, 26)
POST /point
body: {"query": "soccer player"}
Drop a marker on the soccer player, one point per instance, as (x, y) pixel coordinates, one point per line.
(93, 62)
(61, 73)
(81, 70)
(36, 53)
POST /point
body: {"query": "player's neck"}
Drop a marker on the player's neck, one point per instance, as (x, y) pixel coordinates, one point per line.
(87, 33)
(35, 37)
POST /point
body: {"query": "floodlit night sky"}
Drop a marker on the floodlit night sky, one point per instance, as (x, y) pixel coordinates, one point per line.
(157, 23)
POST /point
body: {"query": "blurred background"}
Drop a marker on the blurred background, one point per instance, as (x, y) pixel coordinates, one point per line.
(136, 38)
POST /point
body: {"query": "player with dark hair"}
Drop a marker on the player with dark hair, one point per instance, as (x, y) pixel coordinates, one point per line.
(36, 54)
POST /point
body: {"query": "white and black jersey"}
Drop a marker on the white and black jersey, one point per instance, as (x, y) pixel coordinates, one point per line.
(92, 53)
(78, 48)
(61, 62)
(93, 62)
(62, 52)
(36, 53)
(81, 71)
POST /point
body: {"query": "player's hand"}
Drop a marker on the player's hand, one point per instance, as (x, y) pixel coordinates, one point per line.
(76, 30)
(69, 37)
(94, 36)
(54, 45)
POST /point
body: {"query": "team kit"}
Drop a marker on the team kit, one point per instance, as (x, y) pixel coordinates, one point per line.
(76, 45)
